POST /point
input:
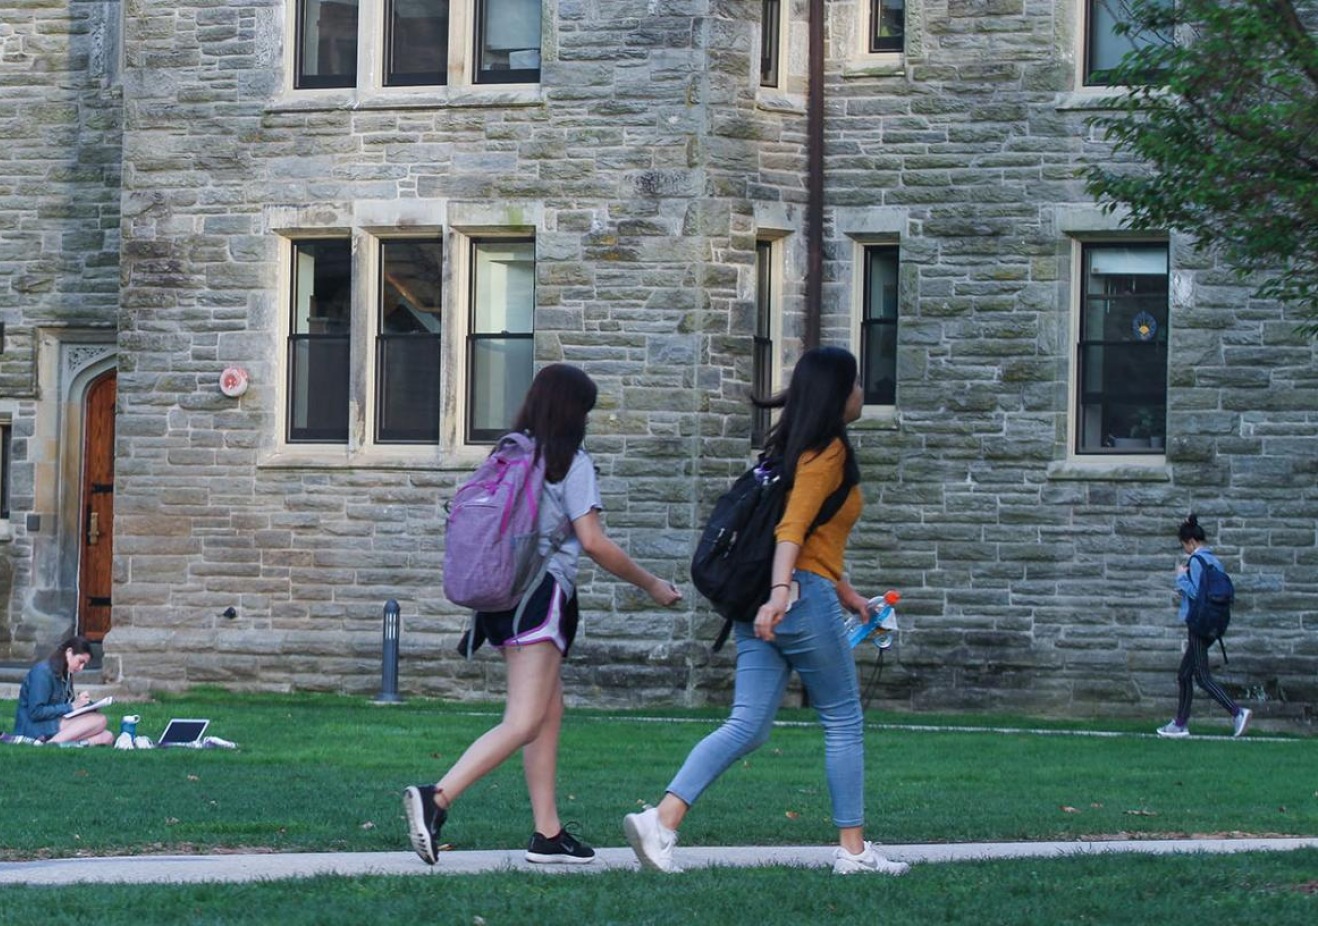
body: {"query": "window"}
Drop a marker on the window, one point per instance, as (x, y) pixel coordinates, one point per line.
(771, 21)
(762, 371)
(1104, 46)
(416, 42)
(413, 43)
(407, 342)
(508, 41)
(501, 339)
(399, 343)
(878, 324)
(1122, 352)
(327, 43)
(4, 470)
(887, 25)
(318, 341)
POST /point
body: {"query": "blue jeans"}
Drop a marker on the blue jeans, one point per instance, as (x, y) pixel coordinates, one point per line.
(810, 640)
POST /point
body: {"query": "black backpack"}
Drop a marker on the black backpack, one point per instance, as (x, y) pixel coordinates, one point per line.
(733, 562)
(1210, 609)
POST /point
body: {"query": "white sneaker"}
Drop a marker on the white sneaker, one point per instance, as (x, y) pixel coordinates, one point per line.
(1174, 730)
(1241, 723)
(651, 841)
(124, 741)
(869, 861)
(143, 742)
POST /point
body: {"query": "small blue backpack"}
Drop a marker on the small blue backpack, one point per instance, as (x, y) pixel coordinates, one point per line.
(1210, 609)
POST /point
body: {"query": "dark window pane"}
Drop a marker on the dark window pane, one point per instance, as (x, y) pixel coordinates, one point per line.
(319, 327)
(887, 25)
(327, 43)
(1122, 355)
(416, 47)
(878, 350)
(501, 346)
(408, 342)
(5, 433)
(770, 24)
(1104, 47)
(508, 41)
(762, 358)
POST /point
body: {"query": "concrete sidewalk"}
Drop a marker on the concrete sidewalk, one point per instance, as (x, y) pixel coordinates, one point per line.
(178, 869)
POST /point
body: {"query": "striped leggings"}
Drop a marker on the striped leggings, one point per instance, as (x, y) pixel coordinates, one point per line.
(1194, 668)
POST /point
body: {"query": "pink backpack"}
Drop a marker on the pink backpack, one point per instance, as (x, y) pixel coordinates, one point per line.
(492, 536)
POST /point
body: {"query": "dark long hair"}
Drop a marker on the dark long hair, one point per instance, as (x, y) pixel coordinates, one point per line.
(80, 645)
(1190, 529)
(554, 413)
(813, 409)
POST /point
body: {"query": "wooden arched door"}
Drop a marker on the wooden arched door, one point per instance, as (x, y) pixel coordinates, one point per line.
(96, 544)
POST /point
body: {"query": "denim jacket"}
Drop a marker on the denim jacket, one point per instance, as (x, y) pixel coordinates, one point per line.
(42, 701)
(1188, 582)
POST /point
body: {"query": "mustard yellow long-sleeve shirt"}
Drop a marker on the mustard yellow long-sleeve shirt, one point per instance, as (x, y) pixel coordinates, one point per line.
(817, 477)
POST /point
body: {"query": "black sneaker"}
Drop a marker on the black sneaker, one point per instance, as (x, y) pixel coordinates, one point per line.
(425, 818)
(563, 849)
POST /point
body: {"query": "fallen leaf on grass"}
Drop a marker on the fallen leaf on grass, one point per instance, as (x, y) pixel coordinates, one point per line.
(792, 815)
(193, 778)
(1067, 808)
(1140, 813)
(171, 821)
(368, 825)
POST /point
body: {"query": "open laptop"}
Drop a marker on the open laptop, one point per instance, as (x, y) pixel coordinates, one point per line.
(183, 732)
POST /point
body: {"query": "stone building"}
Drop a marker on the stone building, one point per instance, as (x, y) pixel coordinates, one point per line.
(275, 272)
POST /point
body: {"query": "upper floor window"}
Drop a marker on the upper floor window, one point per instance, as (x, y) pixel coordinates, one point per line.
(771, 21)
(396, 344)
(762, 367)
(1105, 43)
(887, 25)
(5, 434)
(1121, 365)
(878, 324)
(418, 42)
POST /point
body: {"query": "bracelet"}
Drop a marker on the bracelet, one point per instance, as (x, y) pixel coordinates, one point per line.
(780, 585)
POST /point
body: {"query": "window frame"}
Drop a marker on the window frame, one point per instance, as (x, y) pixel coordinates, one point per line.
(766, 366)
(1083, 400)
(381, 339)
(771, 43)
(875, 44)
(1090, 75)
(292, 434)
(472, 338)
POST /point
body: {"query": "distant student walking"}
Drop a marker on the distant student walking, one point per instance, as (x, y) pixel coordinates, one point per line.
(554, 414)
(1194, 664)
(47, 696)
(800, 627)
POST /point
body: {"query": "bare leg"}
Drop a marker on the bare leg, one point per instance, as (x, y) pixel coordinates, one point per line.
(533, 681)
(852, 838)
(540, 764)
(89, 727)
(672, 811)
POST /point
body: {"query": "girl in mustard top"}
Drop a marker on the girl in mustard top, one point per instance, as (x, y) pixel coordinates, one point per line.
(800, 628)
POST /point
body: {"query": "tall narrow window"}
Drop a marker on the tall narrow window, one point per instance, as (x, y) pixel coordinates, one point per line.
(326, 43)
(416, 42)
(762, 349)
(501, 339)
(770, 41)
(318, 342)
(887, 25)
(1104, 45)
(1122, 354)
(5, 460)
(407, 342)
(878, 325)
(507, 41)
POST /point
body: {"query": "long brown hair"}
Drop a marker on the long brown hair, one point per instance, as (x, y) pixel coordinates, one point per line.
(813, 409)
(554, 413)
(80, 645)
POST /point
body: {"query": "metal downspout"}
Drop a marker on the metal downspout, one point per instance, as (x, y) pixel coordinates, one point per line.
(814, 277)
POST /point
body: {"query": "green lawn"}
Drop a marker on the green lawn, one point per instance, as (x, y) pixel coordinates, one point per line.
(323, 773)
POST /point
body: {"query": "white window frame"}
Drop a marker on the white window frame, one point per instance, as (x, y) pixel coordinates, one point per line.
(372, 32)
(779, 82)
(774, 243)
(861, 62)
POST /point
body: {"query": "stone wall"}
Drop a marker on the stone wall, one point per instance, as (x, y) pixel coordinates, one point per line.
(648, 162)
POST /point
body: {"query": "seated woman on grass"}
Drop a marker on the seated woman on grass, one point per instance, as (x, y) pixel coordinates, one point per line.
(47, 695)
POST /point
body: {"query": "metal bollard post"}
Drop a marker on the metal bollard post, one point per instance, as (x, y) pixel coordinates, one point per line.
(389, 655)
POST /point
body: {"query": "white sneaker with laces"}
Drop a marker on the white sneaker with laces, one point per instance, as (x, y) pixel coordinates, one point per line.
(1241, 723)
(1173, 730)
(867, 862)
(143, 742)
(652, 842)
(125, 741)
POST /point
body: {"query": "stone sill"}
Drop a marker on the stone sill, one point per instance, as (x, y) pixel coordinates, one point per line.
(1112, 468)
(887, 64)
(776, 102)
(375, 458)
(439, 97)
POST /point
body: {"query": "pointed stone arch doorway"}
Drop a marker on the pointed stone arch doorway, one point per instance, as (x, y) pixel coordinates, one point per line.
(96, 509)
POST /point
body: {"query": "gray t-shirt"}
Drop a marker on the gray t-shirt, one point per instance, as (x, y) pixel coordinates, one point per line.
(572, 498)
